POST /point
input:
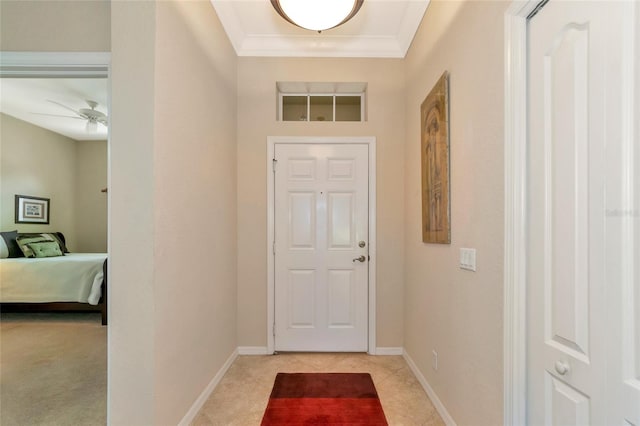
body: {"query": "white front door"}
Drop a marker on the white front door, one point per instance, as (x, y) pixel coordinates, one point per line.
(583, 295)
(321, 247)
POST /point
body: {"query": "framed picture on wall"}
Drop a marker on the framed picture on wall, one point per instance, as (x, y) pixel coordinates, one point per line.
(434, 134)
(32, 209)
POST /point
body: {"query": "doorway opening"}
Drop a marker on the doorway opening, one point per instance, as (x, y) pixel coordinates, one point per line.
(85, 76)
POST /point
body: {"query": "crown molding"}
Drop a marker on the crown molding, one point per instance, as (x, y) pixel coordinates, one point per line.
(321, 46)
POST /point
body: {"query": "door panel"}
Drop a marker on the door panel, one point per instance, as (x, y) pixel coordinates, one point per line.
(567, 185)
(341, 169)
(302, 220)
(341, 216)
(568, 405)
(302, 169)
(341, 288)
(321, 215)
(301, 301)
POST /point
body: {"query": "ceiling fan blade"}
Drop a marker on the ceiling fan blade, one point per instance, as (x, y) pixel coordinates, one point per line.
(57, 115)
(66, 107)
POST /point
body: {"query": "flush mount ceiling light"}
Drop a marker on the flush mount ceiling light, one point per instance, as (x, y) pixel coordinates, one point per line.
(317, 15)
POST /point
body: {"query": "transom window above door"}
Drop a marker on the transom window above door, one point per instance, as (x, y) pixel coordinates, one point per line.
(316, 101)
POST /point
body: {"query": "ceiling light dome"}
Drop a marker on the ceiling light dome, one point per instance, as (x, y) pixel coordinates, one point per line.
(317, 15)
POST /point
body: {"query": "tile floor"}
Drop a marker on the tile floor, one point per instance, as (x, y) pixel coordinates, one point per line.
(242, 395)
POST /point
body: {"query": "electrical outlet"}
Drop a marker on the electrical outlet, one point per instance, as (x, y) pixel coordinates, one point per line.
(434, 360)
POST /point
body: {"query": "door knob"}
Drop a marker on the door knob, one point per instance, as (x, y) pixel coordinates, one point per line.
(562, 367)
(360, 259)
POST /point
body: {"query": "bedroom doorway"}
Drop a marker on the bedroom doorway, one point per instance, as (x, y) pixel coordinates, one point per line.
(56, 356)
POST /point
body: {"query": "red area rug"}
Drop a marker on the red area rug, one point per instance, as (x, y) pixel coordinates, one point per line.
(324, 399)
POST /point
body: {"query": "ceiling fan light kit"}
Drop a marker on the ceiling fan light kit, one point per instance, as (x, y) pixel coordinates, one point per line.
(317, 15)
(91, 126)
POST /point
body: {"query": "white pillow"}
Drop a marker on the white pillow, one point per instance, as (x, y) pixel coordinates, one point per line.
(4, 250)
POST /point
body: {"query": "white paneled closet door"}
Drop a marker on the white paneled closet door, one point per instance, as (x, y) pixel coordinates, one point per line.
(583, 218)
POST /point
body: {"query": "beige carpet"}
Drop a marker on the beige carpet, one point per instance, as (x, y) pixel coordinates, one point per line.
(53, 369)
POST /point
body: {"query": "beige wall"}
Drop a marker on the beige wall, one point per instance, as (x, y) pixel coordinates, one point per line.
(173, 308)
(132, 307)
(58, 26)
(257, 119)
(459, 313)
(91, 203)
(38, 162)
(195, 203)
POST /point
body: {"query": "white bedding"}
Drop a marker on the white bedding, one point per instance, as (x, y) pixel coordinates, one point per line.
(74, 277)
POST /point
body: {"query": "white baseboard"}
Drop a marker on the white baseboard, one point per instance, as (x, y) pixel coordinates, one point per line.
(389, 351)
(197, 405)
(252, 350)
(446, 417)
(262, 350)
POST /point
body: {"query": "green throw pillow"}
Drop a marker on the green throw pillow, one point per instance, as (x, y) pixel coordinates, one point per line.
(45, 249)
(24, 241)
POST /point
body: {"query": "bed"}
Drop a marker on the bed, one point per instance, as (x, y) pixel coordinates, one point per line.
(69, 282)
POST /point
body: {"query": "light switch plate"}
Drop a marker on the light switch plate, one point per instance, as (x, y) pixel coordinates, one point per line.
(468, 259)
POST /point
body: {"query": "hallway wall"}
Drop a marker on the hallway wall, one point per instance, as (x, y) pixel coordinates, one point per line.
(195, 200)
(455, 312)
(257, 103)
(173, 192)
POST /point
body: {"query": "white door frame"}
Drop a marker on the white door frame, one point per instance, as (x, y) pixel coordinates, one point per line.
(515, 174)
(370, 141)
(55, 64)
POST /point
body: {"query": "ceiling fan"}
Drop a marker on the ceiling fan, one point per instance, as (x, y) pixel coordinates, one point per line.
(91, 115)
